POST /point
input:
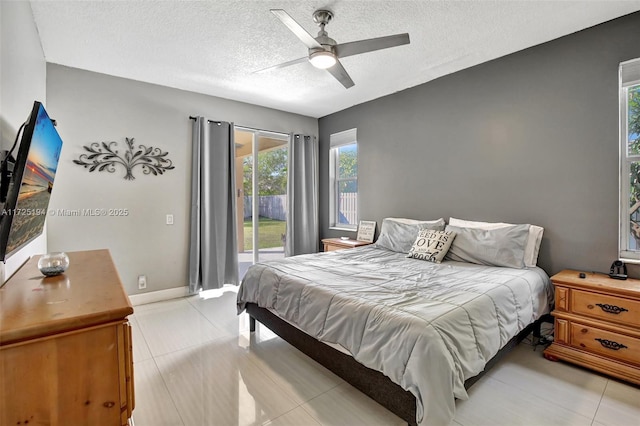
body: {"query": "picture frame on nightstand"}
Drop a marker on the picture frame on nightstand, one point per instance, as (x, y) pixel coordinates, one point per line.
(366, 231)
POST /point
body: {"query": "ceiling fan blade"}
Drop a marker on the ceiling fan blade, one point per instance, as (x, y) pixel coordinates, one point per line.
(369, 45)
(341, 75)
(296, 28)
(284, 64)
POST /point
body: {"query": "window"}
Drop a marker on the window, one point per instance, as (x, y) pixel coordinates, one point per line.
(630, 160)
(343, 176)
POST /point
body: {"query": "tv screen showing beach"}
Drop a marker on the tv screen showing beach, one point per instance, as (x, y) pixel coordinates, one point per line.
(37, 183)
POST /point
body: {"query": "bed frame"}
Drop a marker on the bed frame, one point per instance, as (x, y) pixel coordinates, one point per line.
(370, 382)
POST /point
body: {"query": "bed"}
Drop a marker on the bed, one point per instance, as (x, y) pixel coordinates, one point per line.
(411, 334)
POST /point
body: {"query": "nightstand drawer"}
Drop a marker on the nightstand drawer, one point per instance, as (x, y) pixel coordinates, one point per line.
(597, 322)
(609, 308)
(611, 345)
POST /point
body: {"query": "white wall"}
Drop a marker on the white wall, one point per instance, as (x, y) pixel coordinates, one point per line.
(92, 107)
(23, 77)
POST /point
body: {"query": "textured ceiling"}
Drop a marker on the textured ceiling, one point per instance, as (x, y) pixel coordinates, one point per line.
(213, 47)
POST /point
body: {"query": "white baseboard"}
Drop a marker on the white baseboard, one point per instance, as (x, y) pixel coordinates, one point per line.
(158, 296)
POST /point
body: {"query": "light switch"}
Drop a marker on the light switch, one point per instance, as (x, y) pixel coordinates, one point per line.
(169, 219)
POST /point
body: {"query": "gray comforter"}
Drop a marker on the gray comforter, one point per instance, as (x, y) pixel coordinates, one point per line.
(427, 326)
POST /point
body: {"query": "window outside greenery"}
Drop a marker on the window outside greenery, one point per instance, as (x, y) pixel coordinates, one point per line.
(272, 172)
(347, 184)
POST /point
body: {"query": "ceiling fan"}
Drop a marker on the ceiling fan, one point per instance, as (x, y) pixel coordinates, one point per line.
(324, 52)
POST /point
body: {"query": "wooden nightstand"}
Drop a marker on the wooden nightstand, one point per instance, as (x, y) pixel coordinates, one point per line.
(331, 244)
(597, 323)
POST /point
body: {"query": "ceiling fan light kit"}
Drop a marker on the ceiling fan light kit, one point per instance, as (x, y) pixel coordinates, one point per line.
(322, 59)
(324, 51)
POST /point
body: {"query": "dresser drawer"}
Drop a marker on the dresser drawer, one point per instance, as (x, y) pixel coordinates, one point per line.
(609, 308)
(612, 345)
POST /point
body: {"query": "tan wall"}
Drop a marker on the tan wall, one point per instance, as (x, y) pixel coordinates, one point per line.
(92, 107)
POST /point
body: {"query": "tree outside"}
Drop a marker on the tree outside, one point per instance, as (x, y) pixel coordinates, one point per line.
(272, 172)
(348, 167)
(273, 168)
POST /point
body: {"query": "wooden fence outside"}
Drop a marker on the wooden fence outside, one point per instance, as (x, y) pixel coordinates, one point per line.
(270, 206)
(275, 207)
(348, 210)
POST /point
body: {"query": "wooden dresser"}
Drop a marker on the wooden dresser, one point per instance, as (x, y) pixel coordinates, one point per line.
(597, 323)
(65, 345)
(330, 244)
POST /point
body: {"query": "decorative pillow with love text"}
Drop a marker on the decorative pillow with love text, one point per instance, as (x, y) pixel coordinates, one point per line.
(431, 245)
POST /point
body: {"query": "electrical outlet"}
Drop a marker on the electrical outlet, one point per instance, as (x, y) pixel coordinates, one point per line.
(169, 219)
(142, 282)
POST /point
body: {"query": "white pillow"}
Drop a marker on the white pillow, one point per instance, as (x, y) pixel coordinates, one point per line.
(533, 242)
(439, 221)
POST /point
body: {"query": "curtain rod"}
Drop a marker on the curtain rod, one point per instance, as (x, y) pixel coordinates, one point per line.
(191, 117)
(241, 127)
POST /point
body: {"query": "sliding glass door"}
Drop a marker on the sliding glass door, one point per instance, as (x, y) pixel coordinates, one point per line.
(261, 182)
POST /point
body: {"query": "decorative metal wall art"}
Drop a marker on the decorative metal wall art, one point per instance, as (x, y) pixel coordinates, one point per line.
(104, 156)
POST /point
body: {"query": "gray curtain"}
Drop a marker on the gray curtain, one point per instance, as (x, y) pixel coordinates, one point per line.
(302, 196)
(213, 253)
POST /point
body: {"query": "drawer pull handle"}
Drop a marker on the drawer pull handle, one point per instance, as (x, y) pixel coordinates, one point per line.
(610, 344)
(611, 309)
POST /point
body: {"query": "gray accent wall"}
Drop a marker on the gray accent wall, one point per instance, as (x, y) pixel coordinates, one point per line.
(23, 77)
(527, 138)
(92, 107)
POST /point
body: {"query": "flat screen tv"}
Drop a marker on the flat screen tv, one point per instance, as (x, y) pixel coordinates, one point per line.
(31, 182)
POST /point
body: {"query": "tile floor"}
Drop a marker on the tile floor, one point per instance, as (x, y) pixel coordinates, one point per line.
(245, 259)
(196, 364)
